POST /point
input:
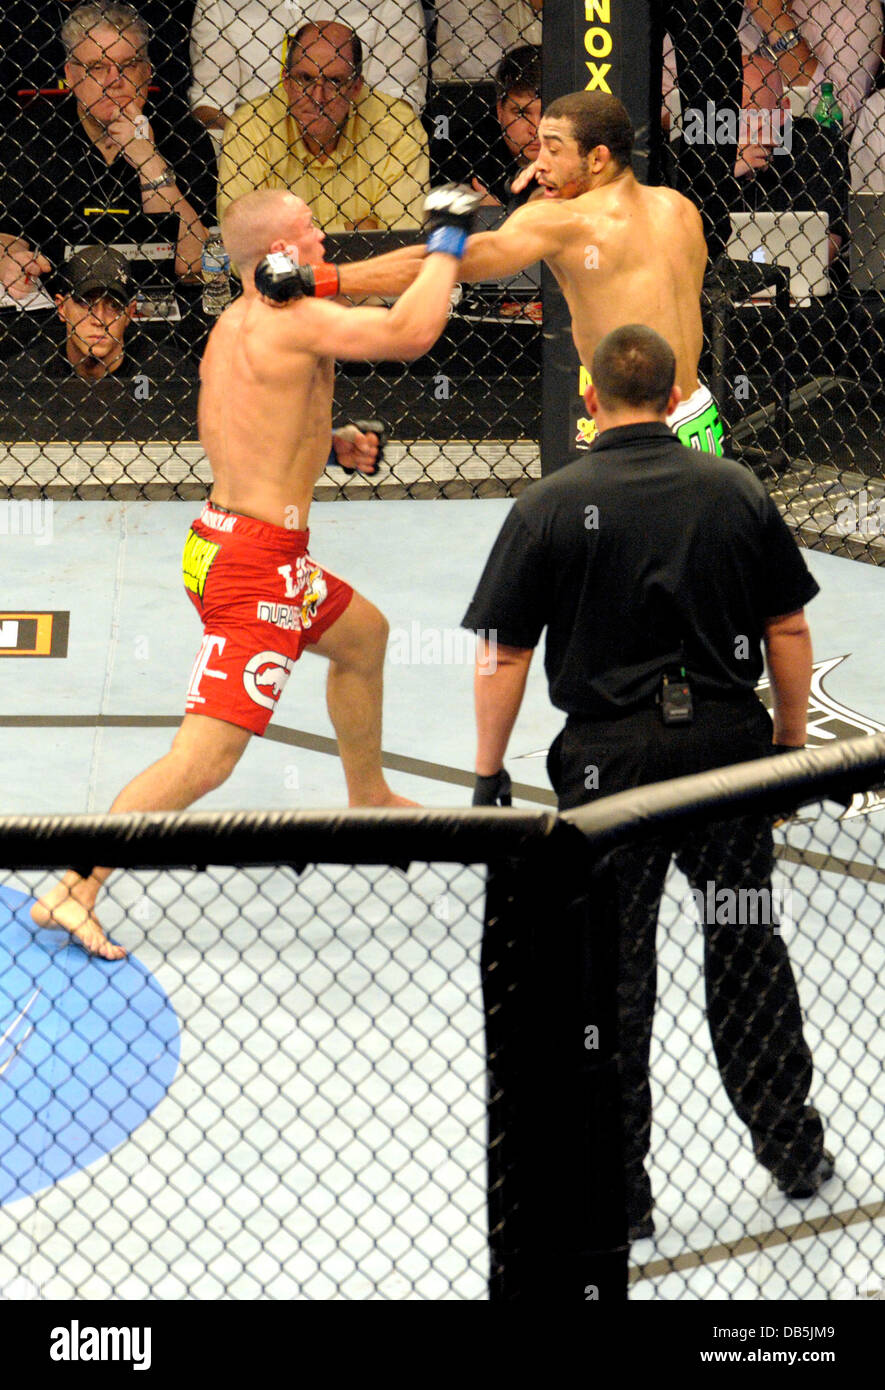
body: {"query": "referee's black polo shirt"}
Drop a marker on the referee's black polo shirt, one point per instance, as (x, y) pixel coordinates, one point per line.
(639, 556)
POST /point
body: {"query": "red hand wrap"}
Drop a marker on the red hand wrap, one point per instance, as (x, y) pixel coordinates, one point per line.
(325, 280)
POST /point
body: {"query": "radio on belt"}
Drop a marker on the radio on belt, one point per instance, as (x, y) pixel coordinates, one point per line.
(675, 699)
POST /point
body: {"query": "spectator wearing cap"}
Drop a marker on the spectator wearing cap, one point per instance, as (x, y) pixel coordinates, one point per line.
(96, 309)
(99, 152)
(358, 158)
(96, 303)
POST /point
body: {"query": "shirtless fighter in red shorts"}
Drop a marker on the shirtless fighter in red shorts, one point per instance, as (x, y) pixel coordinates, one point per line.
(265, 418)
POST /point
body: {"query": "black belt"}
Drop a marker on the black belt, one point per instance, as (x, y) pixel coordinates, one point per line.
(609, 715)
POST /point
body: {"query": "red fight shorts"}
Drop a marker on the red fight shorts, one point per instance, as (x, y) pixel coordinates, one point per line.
(262, 599)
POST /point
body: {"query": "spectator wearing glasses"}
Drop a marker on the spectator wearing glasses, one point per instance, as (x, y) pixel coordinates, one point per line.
(99, 153)
(238, 49)
(32, 55)
(357, 157)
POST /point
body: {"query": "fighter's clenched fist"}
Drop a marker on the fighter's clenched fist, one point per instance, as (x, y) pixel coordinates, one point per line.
(449, 215)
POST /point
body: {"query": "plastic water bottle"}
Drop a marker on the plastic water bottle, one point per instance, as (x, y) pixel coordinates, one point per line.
(828, 112)
(215, 265)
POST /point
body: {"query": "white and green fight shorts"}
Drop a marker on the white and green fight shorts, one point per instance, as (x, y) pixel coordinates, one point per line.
(696, 422)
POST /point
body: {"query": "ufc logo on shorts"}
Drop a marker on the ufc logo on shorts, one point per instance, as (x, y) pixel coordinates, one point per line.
(202, 668)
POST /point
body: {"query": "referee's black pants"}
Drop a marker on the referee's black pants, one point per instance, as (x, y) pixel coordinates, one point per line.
(752, 1004)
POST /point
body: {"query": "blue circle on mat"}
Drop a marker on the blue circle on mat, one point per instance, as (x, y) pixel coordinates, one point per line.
(88, 1048)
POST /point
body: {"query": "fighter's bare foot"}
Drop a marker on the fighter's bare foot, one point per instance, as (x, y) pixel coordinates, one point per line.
(60, 908)
(382, 802)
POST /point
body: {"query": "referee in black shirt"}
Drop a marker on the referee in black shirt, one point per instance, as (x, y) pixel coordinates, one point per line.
(653, 566)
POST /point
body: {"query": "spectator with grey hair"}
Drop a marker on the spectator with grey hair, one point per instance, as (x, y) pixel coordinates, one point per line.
(97, 157)
(32, 55)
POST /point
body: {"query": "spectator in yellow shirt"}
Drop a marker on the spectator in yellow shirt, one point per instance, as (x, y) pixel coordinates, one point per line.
(357, 157)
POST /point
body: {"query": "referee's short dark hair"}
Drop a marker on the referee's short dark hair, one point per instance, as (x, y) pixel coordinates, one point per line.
(634, 366)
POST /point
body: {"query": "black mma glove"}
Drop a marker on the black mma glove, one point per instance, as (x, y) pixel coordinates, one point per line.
(280, 279)
(494, 790)
(365, 427)
(449, 217)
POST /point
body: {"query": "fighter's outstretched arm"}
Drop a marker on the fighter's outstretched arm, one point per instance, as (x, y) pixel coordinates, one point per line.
(399, 334)
(402, 333)
(389, 274)
(529, 234)
(532, 233)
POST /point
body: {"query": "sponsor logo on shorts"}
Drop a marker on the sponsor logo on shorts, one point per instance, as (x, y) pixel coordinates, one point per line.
(308, 585)
(315, 593)
(202, 668)
(586, 430)
(702, 430)
(281, 615)
(265, 676)
(219, 521)
(196, 561)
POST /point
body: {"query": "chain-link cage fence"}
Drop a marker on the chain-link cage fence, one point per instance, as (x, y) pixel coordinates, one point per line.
(764, 951)
(280, 1091)
(134, 128)
(417, 1067)
(785, 172)
(339, 1156)
(798, 135)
